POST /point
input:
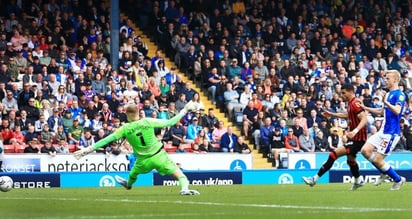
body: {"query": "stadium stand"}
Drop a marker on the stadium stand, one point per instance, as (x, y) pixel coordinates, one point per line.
(298, 56)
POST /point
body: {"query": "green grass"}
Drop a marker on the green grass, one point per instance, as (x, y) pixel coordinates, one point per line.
(271, 201)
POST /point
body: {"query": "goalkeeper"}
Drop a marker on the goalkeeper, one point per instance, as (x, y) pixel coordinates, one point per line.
(148, 148)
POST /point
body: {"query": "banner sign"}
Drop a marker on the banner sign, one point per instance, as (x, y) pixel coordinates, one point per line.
(213, 161)
(398, 160)
(34, 180)
(278, 176)
(368, 176)
(201, 178)
(22, 165)
(100, 179)
(102, 163)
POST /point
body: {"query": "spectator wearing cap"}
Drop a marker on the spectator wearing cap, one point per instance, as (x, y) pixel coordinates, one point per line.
(37, 67)
(250, 82)
(84, 119)
(45, 59)
(403, 64)
(9, 50)
(234, 70)
(33, 113)
(75, 132)
(3, 41)
(193, 129)
(89, 92)
(13, 68)
(54, 121)
(9, 102)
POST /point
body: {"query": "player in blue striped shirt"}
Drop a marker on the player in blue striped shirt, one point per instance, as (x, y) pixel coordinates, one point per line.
(388, 135)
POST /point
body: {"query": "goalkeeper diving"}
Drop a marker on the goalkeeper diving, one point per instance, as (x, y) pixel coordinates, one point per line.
(147, 147)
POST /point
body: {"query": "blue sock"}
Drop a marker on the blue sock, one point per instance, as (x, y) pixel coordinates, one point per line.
(395, 176)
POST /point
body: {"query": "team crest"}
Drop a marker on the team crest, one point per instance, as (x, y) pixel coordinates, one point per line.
(401, 97)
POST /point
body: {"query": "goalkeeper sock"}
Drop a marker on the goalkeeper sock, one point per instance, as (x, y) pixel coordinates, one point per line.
(131, 181)
(183, 182)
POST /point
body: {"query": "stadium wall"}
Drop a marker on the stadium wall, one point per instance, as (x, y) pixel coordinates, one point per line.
(37, 171)
(199, 178)
(102, 163)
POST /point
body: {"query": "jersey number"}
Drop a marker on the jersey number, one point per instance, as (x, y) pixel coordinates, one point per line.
(140, 136)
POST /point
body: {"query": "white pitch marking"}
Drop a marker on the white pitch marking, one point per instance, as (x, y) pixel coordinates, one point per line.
(327, 208)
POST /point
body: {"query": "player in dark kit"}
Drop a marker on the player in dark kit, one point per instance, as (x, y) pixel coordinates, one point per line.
(356, 135)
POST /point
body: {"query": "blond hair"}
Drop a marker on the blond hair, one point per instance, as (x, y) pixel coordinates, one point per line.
(132, 112)
(395, 73)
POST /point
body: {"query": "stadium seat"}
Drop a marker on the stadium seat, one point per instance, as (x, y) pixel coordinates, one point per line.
(169, 148)
(19, 148)
(8, 148)
(72, 148)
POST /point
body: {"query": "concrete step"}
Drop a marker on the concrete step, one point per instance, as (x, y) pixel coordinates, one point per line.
(258, 161)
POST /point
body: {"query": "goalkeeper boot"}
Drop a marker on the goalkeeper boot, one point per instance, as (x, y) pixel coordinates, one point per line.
(123, 182)
(397, 185)
(382, 178)
(309, 181)
(189, 192)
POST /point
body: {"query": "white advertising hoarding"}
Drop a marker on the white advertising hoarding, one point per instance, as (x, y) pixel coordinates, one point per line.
(103, 163)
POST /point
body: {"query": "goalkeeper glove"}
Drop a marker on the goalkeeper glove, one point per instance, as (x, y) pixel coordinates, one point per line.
(83, 152)
(190, 107)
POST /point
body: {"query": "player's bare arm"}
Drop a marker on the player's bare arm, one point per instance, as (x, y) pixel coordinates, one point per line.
(328, 114)
(394, 108)
(363, 121)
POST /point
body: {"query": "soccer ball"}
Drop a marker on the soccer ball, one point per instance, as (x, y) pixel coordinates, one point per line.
(6, 183)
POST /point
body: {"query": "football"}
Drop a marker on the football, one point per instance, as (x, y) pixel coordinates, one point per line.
(6, 183)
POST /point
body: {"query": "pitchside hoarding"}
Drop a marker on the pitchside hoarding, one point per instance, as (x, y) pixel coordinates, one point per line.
(398, 160)
(100, 179)
(34, 180)
(102, 163)
(368, 176)
(201, 178)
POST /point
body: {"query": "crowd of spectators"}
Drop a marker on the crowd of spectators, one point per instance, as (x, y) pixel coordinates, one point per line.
(284, 61)
(271, 65)
(59, 92)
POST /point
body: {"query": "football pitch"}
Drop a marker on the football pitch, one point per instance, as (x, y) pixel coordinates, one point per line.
(238, 201)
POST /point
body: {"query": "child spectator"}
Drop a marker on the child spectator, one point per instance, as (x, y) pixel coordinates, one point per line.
(48, 148)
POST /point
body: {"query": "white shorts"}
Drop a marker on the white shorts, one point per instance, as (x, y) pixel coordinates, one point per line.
(384, 143)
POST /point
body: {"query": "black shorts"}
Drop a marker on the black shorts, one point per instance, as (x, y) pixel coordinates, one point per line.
(353, 147)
